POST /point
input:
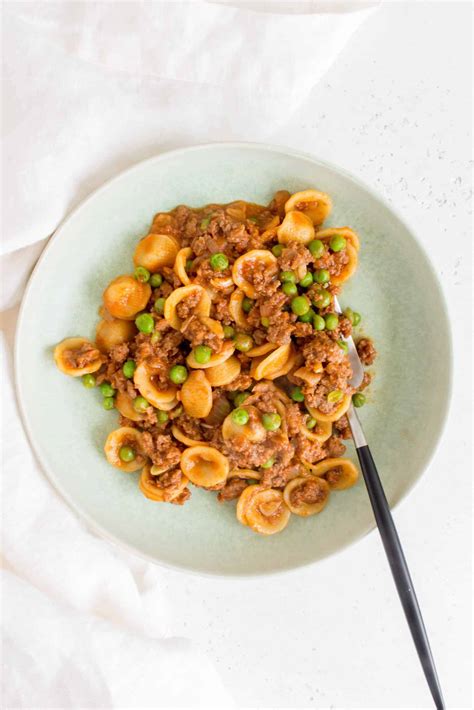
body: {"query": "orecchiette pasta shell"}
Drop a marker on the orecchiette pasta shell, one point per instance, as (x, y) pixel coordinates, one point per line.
(124, 297)
(225, 284)
(124, 404)
(264, 367)
(160, 220)
(227, 350)
(150, 490)
(247, 261)
(307, 508)
(236, 311)
(312, 377)
(220, 375)
(260, 350)
(321, 432)
(155, 251)
(289, 365)
(263, 509)
(348, 477)
(162, 399)
(335, 415)
(349, 268)
(178, 434)
(196, 395)
(296, 227)
(125, 436)
(202, 308)
(246, 473)
(252, 431)
(180, 265)
(64, 363)
(204, 466)
(349, 235)
(271, 387)
(213, 325)
(314, 204)
(110, 333)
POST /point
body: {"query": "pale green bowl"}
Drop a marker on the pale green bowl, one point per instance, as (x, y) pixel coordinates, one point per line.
(395, 290)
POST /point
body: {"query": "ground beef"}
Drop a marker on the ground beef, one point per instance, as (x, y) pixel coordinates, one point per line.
(242, 382)
(334, 447)
(366, 380)
(281, 330)
(302, 330)
(345, 326)
(334, 262)
(161, 449)
(294, 419)
(310, 492)
(220, 309)
(321, 348)
(262, 277)
(366, 351)
(196, 330)
(205, 274)
(334, 475)
(232, 489)
(186, 307)
(342, 428)
(309, 450)
(295, 258)
(83, 356)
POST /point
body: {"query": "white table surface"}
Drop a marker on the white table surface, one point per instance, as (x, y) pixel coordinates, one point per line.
(395, 110)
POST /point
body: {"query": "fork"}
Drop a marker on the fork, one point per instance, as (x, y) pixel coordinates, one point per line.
(389, 535)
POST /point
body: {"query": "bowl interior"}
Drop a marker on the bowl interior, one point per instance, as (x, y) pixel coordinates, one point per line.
(394, 289)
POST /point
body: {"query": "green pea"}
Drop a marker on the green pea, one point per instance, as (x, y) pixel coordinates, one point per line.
(142, 274)
(145, 323)
(321, 276)
(127, 454)
(156, 280)
(129, 368)
(205, 222)
(156, 337)
(265, 322)
(297, 394)
(269, 463)
(358, 399)
(243, 342)
(356, 319)
(349, 313)
(253, 219)
(316, 248)
(88, 381)
(178, 374)
(343, 345)
(287, 276)
(307, 317)
(335, 396)
(300, 305)
(159, 305)
(107, 389)
(289, 288)
(318, 322)
(219, 262)
(332, 321)
(240, 397)
(202, 354)
(140, 404)
(321, 298)
(307, 280)
(277, 250)
(161, 416)
(337, 242)
(240, 416)
(311, 423)
(229, 331)
(271, 421)
(189, 264)
(247, 304)
(108, 403)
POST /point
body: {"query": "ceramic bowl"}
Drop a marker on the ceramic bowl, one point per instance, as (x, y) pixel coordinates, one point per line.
(395, 290)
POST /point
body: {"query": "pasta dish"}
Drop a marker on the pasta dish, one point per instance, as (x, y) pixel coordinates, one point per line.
(226, 361)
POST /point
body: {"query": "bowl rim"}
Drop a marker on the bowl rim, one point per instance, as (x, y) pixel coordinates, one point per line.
(92, 524)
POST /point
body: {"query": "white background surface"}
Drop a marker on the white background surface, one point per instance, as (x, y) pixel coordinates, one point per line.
(395, 110)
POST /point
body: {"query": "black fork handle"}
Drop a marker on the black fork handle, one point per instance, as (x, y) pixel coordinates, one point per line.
(401, 575)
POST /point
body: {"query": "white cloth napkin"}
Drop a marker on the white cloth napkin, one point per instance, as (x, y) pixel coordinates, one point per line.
(91, 88)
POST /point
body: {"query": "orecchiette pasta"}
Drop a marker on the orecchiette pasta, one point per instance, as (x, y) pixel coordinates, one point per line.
(226, 359)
